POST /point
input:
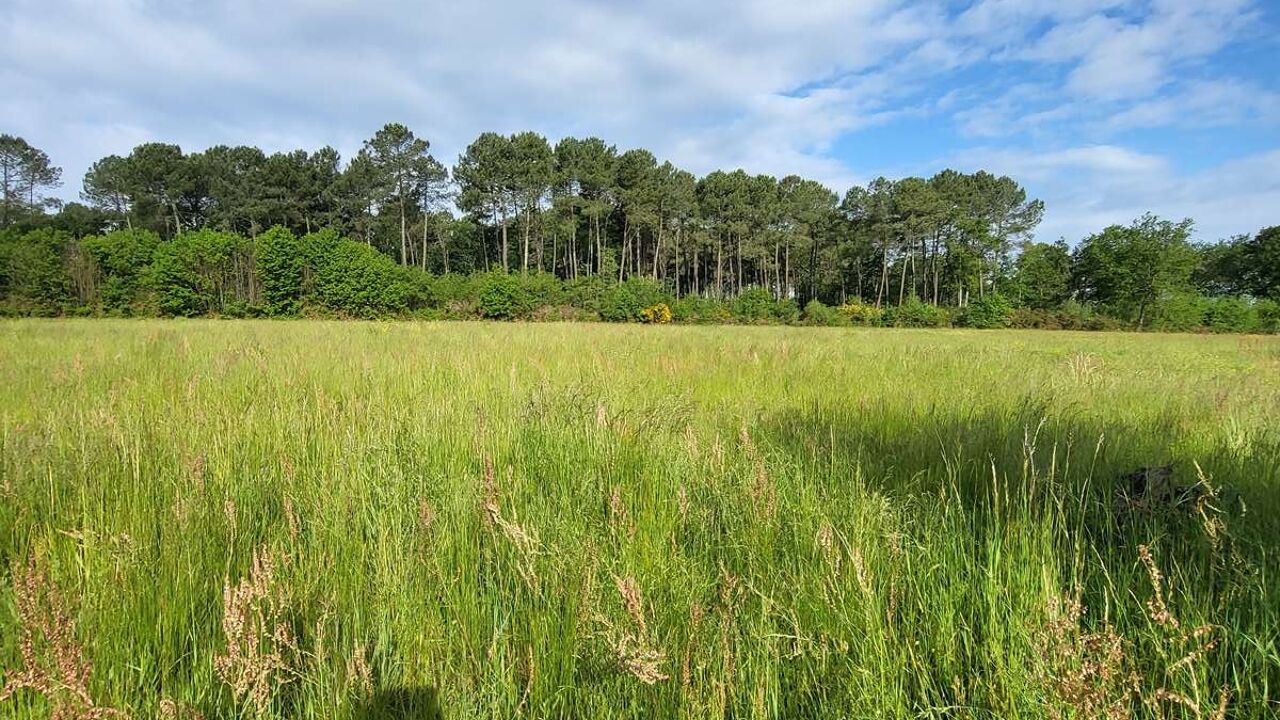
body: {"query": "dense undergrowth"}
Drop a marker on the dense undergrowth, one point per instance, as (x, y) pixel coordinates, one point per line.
(278, 274)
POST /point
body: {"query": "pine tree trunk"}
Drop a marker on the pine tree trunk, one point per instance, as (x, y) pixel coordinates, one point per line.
(404, 235)
(528, 222)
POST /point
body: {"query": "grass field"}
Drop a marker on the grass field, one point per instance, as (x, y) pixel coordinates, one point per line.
(340, 520)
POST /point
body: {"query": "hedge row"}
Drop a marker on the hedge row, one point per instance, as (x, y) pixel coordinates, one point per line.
(277, 274)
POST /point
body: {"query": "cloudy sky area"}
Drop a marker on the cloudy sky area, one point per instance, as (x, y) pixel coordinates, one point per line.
(1102, 108)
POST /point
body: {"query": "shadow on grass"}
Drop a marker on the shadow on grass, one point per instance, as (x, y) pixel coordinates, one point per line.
(401, 703)
(1064, 462)
(1005, 473)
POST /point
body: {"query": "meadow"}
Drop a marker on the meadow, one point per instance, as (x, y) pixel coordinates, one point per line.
(313, 519)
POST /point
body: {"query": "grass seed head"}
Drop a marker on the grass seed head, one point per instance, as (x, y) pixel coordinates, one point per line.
(53, 660)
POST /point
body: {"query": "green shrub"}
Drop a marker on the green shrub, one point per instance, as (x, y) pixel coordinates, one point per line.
(1268, 313)
(33, 280)
(543, 289)
(586, 293)
(359, 281)
(121, 259)
(281, 265)
(1230, 315)
(197, 273)
(1075, 315)
(915, 313)
(1033, 319)
(755, 305)
(699, 310)
(987, 312)
(626, 301)
(452, 287)
(787, 311)
(500, 296)
(1178, 312)
(816, 313)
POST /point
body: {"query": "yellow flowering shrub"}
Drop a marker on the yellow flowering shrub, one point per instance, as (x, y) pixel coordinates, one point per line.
(861, 313)
(658, 314)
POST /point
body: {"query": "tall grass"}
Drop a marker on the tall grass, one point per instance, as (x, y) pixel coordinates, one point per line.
(342, 520)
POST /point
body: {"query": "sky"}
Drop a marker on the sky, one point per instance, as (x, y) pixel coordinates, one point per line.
(1104, 109)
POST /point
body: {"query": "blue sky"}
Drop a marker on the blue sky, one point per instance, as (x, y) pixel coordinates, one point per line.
(1104, 109)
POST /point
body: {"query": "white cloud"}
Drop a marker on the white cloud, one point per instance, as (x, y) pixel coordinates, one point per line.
(1202, 103)
(655, 74)
(771, 86)
(1095, 186)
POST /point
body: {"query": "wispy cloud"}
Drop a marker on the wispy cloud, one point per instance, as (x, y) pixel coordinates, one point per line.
(779, 87)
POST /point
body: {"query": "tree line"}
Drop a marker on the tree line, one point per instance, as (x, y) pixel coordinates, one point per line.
(517, 216)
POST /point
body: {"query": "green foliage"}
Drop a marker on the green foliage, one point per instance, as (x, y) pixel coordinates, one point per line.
(1229, 315)
(787, 311)
(1181, 311)
(359, 281)
(699, 310)
(626, 301)
(220, 273)
(586, 292)
(1083, 316)
(33, 279)
(199, 273)
(281, 266)
(1268, 314)
(914, 312)
(755, 305)
(501, 296)
(817, 313)
(1129, 269)
(1042, 275)
(1243, 265)
(988, 312)
(604, 216)
(121, 259)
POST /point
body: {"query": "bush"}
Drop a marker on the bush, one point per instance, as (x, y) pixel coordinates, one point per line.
(816, 313)
(1033, 319)
(501, 296)
(787, 311)
(121, 259)
(33, 280)
(915, 313)
(755, 305)
(659, 314)
(1177, 312)
(359, 281)
(1230, 315)
(987, 312)
(198, 273)
(281, 264)
(698, 310)
(422, 287)
(860, 313)
(1268, 313)
(626, 301)
(586, 292)
(1075, 315)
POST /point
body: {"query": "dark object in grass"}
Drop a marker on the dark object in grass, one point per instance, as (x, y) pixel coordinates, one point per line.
(1152, 490)
(1147, 488)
